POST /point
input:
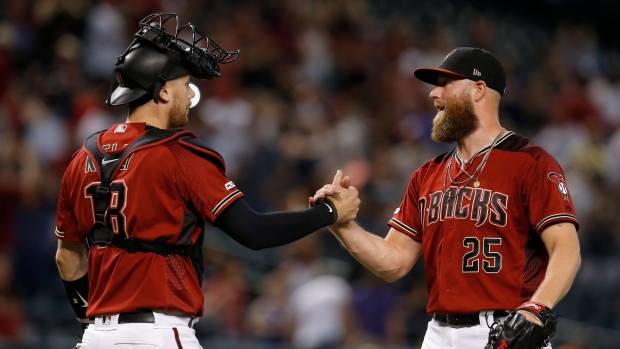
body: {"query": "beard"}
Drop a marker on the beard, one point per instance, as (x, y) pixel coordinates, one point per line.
(178, 115)
(457, 120)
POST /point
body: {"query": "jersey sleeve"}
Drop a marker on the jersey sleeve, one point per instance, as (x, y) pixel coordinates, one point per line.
(66, 221)
(209, 188)
(547, 196)
(406, 218)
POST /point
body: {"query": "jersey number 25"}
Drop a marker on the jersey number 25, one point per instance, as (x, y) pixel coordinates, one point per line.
(491, 261)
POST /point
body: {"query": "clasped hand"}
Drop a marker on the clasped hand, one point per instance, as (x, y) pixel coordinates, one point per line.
(344, 197)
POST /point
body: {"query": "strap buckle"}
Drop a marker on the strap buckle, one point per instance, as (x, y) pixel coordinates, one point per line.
(102, 192)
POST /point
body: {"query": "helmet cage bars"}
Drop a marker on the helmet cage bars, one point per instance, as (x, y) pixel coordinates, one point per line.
(202, 52)
(185, 50)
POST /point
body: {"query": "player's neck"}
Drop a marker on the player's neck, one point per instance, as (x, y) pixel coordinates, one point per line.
(479, 139)
(149, 113)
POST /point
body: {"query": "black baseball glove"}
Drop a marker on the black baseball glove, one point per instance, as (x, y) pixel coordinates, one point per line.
(515, 332)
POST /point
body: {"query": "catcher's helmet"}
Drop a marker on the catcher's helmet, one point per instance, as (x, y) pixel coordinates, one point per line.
(155, 56)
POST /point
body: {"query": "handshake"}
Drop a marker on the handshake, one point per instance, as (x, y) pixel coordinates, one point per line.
(343, 197)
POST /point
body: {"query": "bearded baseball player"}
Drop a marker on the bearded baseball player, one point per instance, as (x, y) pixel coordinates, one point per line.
(135, 198)
(493, 220)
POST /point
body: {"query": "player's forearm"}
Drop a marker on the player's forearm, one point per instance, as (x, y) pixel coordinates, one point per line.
(564, 262)
(377, 254)
(264, 230)
(71, 260)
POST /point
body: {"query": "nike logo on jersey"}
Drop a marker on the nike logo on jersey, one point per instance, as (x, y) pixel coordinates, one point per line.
(105, 162)
(83, 300)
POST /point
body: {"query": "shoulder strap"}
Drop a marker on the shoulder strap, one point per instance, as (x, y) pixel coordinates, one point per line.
(107, 164)
(152, 135)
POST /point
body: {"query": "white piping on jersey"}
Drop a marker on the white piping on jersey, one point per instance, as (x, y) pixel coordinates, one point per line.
(403, 226)
(554, 217)
(59, 233)
(225, 201)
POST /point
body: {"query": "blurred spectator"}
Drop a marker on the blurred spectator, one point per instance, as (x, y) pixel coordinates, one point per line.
(320, 303)
(267, 315)
(104, 38)
(225, 117)
(12, 310)
(225, 296)
(378, 311)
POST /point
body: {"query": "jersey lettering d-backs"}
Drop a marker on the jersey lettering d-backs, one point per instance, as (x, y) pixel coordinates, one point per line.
(160, 193)
(481, 241)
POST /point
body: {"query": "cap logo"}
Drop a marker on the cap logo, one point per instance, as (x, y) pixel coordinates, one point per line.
(477, 72)
(449, 54)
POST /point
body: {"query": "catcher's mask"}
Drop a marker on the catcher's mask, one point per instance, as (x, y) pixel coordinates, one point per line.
(157, 55)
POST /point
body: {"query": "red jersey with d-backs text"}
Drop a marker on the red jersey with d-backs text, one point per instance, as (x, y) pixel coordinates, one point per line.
(160, 194)
(481, 245)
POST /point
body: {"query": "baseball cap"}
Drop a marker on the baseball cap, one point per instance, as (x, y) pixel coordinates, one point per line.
(468, 63)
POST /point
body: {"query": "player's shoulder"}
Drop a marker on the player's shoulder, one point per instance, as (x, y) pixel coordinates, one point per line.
(431, 165)
(190, 143)
(518, 144)
(437, 160)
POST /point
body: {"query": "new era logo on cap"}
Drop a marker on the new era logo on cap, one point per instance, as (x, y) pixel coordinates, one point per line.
(468, 63)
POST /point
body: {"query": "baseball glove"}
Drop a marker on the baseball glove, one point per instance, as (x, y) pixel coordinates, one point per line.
(515, 332)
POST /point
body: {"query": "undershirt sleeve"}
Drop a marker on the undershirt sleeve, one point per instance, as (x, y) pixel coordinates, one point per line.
(263, 230)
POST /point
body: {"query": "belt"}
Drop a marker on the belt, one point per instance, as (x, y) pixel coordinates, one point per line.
(138, 317)
(472, 319)
(146, 317)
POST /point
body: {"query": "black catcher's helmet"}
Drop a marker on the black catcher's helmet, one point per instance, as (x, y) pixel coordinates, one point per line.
(156, 55)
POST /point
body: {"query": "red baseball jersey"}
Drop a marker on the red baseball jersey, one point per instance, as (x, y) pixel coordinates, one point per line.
(481, 241)
(160, 194)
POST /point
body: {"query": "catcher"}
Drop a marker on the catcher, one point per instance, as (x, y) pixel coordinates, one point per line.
(136, 197)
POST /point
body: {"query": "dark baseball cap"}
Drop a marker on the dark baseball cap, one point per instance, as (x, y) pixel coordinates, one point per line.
(468, 63)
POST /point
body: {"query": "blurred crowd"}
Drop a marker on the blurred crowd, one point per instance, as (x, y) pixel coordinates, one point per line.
(319, 85)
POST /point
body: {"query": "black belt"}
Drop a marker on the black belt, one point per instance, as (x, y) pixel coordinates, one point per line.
(472, 319)
(145, 317)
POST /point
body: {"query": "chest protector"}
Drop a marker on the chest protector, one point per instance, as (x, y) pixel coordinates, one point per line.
(100, 233)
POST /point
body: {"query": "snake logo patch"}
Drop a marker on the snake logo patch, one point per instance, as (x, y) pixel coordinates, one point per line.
(561, 182)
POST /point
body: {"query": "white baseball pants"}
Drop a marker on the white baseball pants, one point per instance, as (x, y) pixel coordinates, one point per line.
(167, 332)
(442, 336)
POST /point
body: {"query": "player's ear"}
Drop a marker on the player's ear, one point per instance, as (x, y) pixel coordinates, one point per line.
(480, 90)
(164, 93)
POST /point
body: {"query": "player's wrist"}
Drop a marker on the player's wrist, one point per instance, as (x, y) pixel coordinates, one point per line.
(77, 293)
(530, 317)
(534, 307)
(332, 208)
(541, 312)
